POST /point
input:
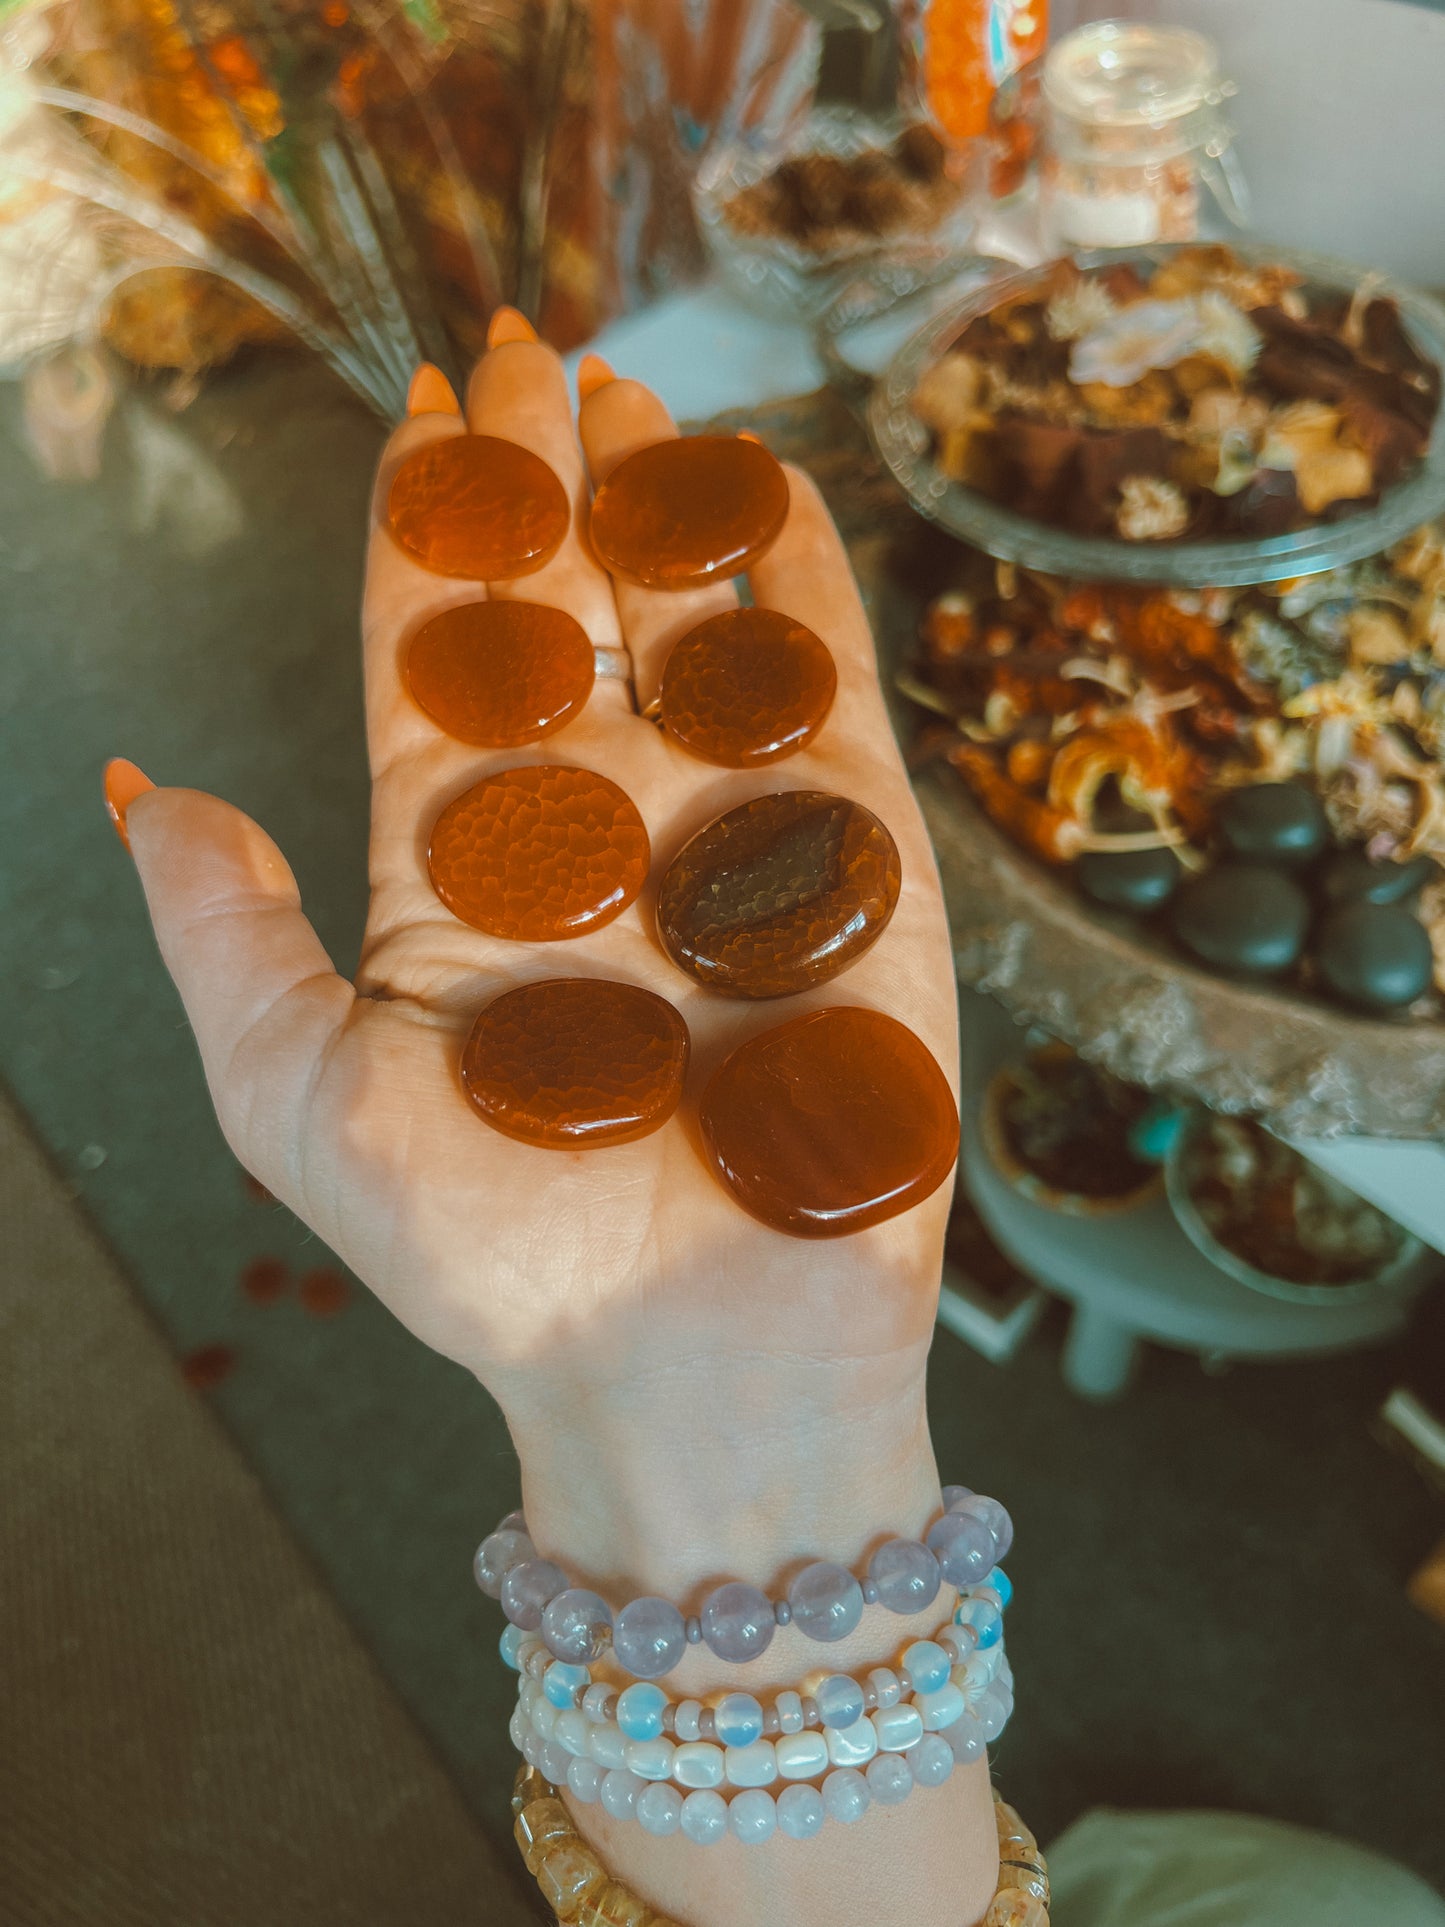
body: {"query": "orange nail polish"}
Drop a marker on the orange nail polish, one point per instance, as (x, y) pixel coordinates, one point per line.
(431, 393)
(509, 324)
(747, 435)
(592, 374)
(123, 784)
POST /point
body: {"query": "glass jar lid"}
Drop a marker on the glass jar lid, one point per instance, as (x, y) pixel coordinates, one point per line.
(1121, 74)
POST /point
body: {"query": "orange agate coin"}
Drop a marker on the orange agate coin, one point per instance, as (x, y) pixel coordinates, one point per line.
(576, 1063)
(689, 511)
(834, 1121)
(540, 853)
(499, 674)
(746, 687)
(476, 506)
(779, 894)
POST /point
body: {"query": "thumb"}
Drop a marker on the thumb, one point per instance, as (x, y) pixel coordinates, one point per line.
(262, 996)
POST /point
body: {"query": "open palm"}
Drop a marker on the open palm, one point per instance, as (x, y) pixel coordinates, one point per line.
(550, 1272)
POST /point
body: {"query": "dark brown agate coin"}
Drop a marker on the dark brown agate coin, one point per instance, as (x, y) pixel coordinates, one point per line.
(539, 853)
(746, 687)
(689, 511)
(477, 506)
(779, 894)
(576, 1063)
(500, 674)
(832, 1122)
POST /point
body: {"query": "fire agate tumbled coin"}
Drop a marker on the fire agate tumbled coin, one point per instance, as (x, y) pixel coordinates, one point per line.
(689, 511)
(833, 1121)
(500, 674)
(779, 894)
(576, 1063)
(539, 853)
(747, 687)
(477, 506)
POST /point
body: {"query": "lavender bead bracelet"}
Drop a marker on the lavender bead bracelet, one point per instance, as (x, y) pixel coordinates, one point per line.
(737, 1621)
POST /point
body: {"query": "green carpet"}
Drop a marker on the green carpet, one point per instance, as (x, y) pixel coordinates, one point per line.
(1210, 1575)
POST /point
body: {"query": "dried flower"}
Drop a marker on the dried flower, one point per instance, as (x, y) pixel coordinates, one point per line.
(1079, 310)
(1145, 335)
(1226, 335)
(949, 394)
(1306, 438)
(1151, 509)
(1376, 636)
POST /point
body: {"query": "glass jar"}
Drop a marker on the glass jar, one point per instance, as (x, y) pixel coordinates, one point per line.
(1133, 129)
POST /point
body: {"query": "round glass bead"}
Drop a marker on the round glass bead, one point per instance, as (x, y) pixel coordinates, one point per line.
(898, 1727)
(706, 1725)
(800, 1811)
(845, 1795)
(695, 509)
(931, 1761)
(963, 1546)
(649, 1638)
(991, 1712)
(1003, 1586)
(518, 1729)
(619, 1791)
(659, 1809)
(887, 1686)
(802, 1756)
(870, 1592)
(890, 1780)
(575, 1062)
(753, 1815)
(532, 1744)
(651, 1759)
(527, 1588)
(737, 1622)
(840, 1700)
(941, 1708)
(738, 1719)
(752, 1766)
(693, 1631)
(496, 1555)
(959, 1642)
(564, 1684)
(512, 1637)
(852, 1745)
(746, 687)
(576, 1623)
(543, 1715)
(686, 1719)
(584, 1780)
(812, 1718)
(571, 1732)
(594, 1702)
(514, 1522)
(964, 1740)
(639, 1711)
(953, 1493)
(499, 674)
(697, 1763)
(607, 1746)
(553, 1760)
(926, 1666)
(827, 1601)
(539, 853)
(704, 1817)
(906, 1575)
(985, 1619)
(772, 1725)
(992, 1515)
(479, 507)
(782, 1612)
(789, 1708)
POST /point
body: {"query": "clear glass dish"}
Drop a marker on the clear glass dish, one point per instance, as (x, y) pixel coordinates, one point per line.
(905, 446)
(783, 277)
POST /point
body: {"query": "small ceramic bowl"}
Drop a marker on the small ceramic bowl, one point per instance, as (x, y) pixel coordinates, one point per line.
(1028, 1183)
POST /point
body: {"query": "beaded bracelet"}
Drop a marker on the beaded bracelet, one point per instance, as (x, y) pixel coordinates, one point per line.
(825, 1601)
(582, 1893)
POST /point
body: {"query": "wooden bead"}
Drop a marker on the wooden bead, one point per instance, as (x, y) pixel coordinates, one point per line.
(746, 687)
(689, 511)
(477, 506)
(500, 674)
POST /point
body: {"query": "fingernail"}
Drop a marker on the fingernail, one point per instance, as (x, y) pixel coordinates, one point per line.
(592, 374)
(431, 393)
(123, 784)
(509, 324)
(747, 435)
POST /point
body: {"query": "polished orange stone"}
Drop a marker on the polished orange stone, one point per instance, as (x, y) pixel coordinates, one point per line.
(539, 853)
(834, 1121)
(477, 506)
(745, 687)
(779, 894)
(576, 1062)
(499, 674)
(689, 511)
